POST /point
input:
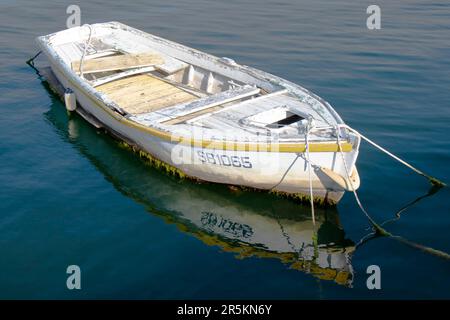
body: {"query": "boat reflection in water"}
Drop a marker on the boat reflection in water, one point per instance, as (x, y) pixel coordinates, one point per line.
(247, 224)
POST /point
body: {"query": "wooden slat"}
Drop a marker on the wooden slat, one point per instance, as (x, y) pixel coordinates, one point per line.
(121, 62)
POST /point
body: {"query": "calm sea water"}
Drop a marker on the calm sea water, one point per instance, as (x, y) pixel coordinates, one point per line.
(72, 195)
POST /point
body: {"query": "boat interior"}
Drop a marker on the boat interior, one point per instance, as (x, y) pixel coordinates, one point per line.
(156, 88)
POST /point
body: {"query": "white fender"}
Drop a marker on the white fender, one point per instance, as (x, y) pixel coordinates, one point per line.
(70, 100)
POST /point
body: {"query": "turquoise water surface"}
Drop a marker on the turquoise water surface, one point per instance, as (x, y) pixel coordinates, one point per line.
(72, 195)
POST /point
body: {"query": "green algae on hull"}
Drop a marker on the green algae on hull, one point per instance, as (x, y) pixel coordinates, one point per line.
(164, 166)
(155, 162)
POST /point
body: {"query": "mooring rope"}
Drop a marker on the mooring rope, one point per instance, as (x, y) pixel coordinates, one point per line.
(432, 180)
(380, 231)
(30, 62)
(311, 196)
(402, 210)
(86, 45)
(358, 201)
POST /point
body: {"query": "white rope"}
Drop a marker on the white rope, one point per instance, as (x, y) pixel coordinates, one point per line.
(358, 201)
(378, 228)
(308, 128)
(86, 45)
(432, 179)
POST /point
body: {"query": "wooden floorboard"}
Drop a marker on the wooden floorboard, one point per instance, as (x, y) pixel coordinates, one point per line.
(142, 97)
(167, 100)
(135, 81)
(144, 93)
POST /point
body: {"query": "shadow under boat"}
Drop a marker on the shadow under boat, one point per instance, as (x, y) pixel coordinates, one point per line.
(247, 224)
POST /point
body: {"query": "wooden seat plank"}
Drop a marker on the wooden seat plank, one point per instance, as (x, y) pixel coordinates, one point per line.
(119, 62)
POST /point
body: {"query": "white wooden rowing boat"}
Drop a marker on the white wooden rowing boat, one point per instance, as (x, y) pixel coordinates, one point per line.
(208, 117)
